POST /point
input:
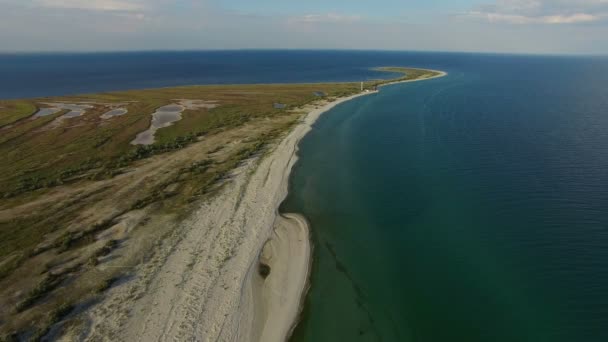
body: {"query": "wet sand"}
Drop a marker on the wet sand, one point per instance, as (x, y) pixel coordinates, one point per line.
(74, 110)
(113, 113)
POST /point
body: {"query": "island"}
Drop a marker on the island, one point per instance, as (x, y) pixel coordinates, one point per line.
(153, 214)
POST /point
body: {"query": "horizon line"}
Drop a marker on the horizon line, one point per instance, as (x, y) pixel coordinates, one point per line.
(86, 52)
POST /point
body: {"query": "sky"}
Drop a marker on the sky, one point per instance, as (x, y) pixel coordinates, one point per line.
(502, 26)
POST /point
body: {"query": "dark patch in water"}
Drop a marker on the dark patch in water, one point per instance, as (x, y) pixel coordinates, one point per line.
(359, 292)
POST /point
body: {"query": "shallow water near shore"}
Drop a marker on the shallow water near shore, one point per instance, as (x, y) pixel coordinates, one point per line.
(468, 208)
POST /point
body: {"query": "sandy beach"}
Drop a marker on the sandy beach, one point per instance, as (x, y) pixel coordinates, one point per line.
(235, 270)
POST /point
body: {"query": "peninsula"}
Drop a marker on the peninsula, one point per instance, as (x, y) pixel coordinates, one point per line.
(153, 214)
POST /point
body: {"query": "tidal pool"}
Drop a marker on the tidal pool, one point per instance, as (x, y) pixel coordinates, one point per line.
(163, 117)
(114, 112)
(46, 112)
(75, 110)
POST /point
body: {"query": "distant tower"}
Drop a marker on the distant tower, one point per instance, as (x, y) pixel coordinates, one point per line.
(361, 86)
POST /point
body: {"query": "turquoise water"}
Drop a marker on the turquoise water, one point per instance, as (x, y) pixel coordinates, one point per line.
(468, 208)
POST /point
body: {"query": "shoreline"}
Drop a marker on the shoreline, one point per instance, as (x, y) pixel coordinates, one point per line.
(269, 315)
(235, 269)
(290, 310)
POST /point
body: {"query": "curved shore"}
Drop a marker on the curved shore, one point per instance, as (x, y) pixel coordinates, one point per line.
(235, 270)
(278, 300)
(270, 307)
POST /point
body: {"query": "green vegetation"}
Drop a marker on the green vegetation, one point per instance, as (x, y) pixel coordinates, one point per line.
(47, 284)
(53, 317)
(39, 156)
(105, 284)
(12, 111)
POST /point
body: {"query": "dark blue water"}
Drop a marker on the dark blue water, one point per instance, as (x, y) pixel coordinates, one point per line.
(36, 75)
(468, 208)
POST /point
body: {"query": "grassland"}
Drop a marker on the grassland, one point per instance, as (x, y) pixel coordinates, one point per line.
(12, 111)
(76, 195)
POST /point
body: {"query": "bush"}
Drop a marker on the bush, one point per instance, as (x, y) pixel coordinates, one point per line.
(45, 286)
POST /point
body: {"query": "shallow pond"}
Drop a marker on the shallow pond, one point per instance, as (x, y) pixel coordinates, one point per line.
(114, 112)
(163, 117)
(46, 112)
(75, 110)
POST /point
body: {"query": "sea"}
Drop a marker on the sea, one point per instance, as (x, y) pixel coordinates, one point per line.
(472, 207)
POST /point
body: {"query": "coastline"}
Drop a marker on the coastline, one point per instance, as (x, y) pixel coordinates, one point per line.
(440, 74)
(281, 320)
(236, 269)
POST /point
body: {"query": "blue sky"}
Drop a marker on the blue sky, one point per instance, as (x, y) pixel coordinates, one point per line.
(514, 26)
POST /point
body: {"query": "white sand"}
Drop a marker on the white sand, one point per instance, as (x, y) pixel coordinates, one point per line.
(203, 282)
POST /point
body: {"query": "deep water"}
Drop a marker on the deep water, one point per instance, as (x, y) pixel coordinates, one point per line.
(54, 74)
(468, 208)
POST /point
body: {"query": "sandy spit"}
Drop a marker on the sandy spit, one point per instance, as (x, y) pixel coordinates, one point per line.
(203, 283)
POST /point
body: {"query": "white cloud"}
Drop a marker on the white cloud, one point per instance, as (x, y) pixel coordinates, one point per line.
(324, 18)
(522, 19)
(541, 11)
(569, 19)
(94, 25)
(93, 5)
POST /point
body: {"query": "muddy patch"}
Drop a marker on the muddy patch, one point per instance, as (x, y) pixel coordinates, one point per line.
(46, 112)
(198, 104)
(114, 112)
(74, 110)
